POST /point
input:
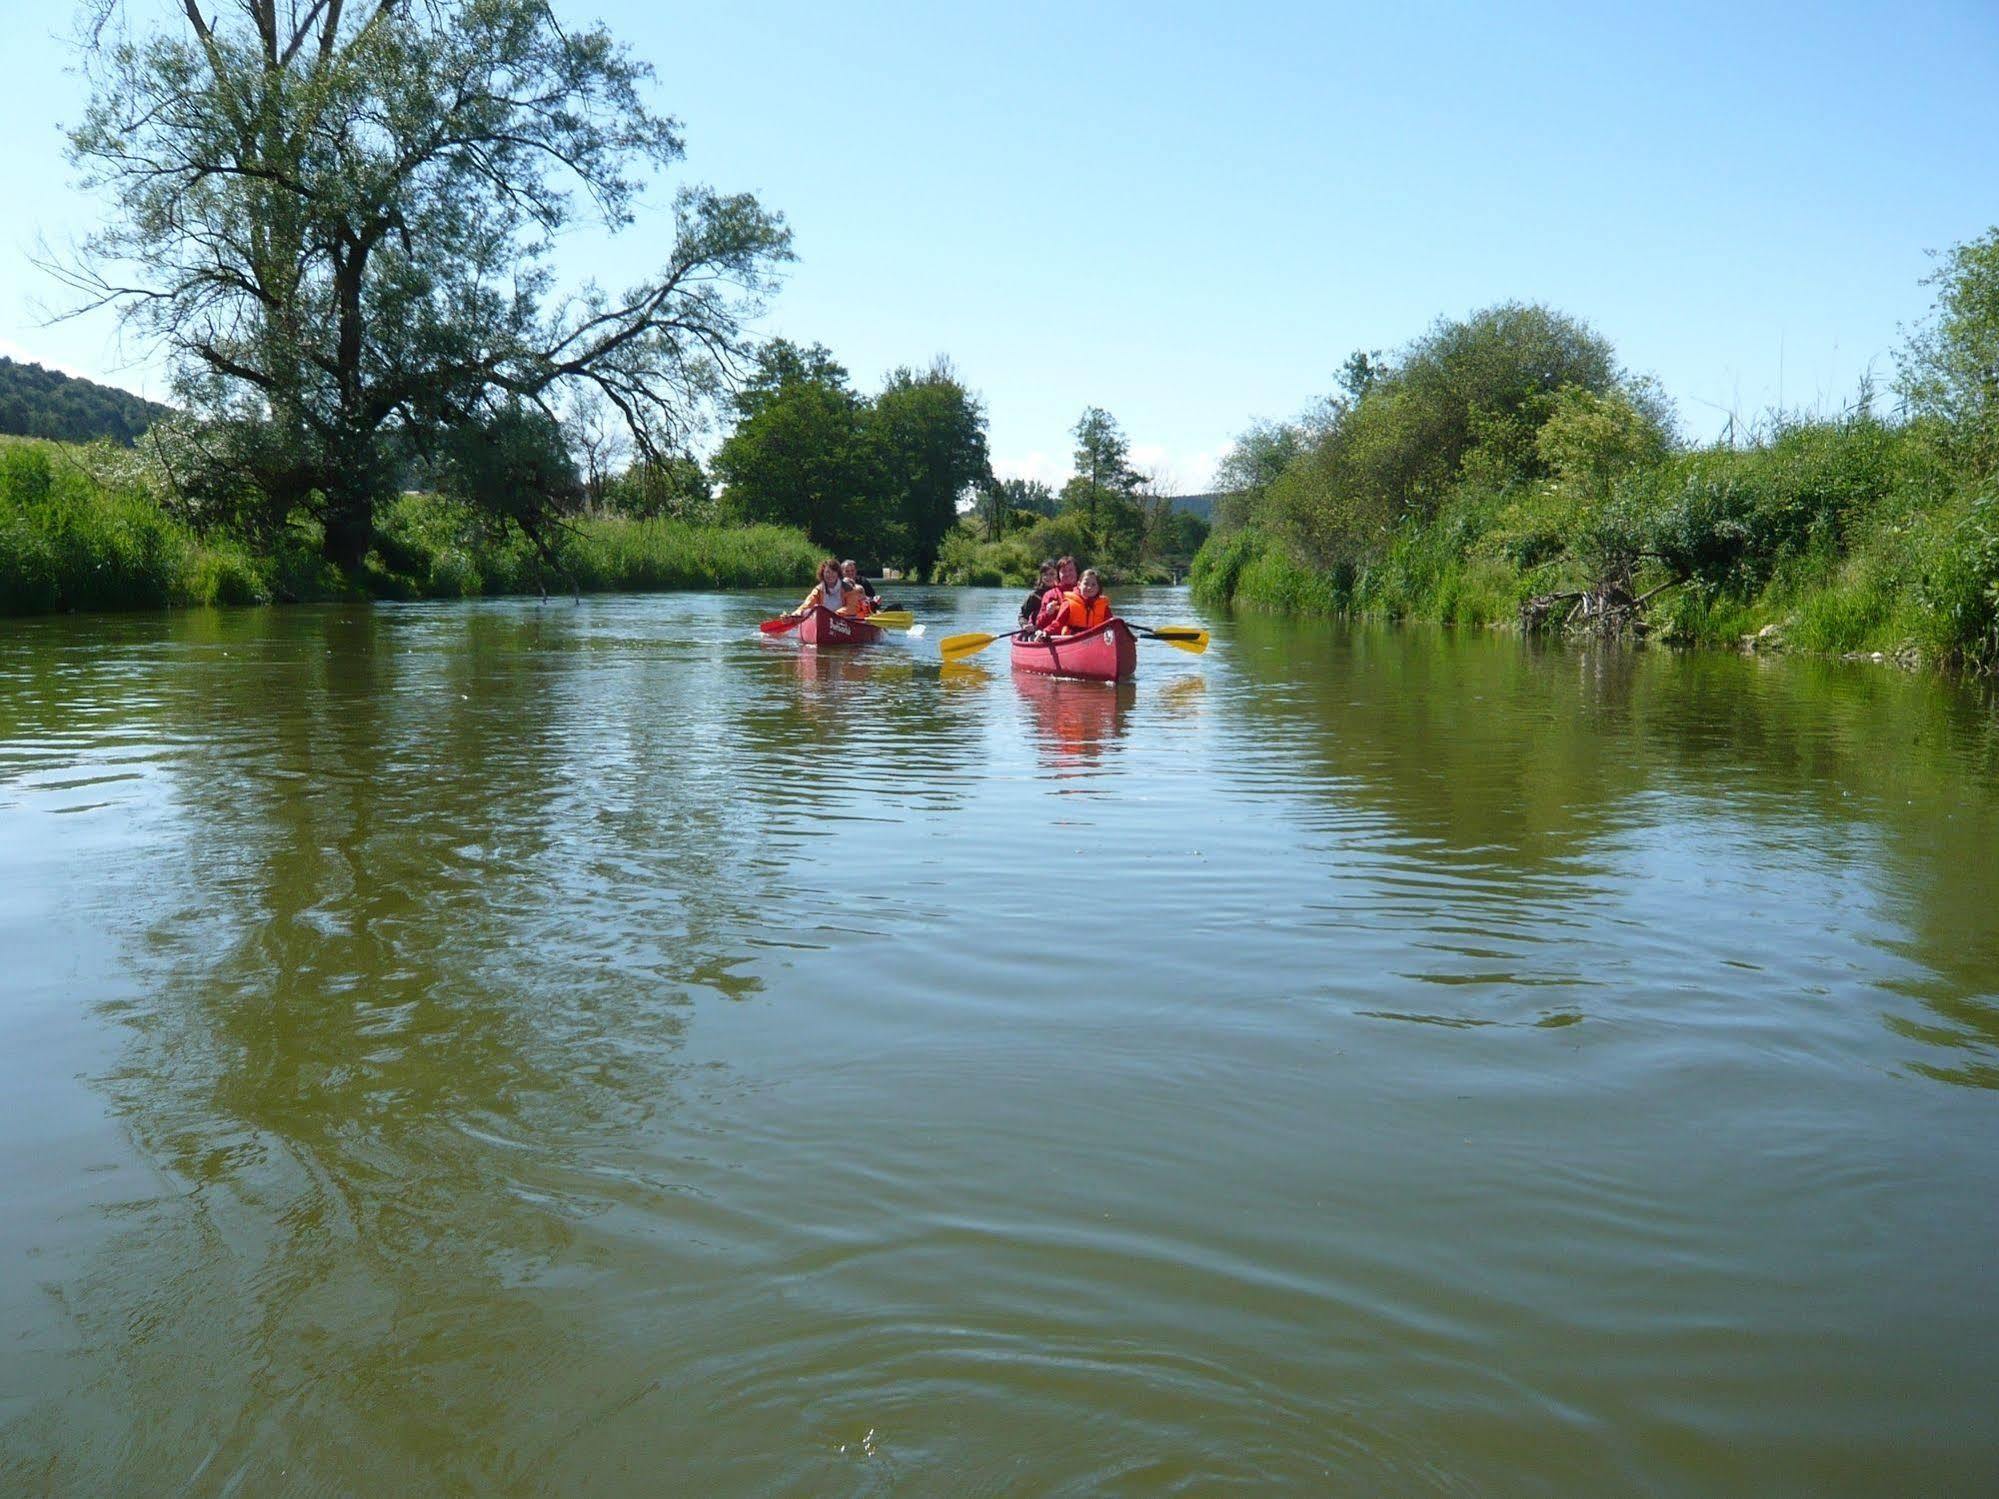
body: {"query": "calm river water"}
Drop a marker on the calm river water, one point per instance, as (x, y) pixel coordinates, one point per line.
(507, 1048)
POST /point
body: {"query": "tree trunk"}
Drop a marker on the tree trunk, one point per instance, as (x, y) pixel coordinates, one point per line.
(350, 528)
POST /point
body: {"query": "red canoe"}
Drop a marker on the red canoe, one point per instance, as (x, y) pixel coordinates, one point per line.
(1109, 653)
(823, 627)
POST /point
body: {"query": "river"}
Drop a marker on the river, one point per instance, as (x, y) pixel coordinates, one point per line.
(597, 1049)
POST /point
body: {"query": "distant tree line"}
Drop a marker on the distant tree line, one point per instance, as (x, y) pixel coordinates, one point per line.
(37, 402)
(1126, 523)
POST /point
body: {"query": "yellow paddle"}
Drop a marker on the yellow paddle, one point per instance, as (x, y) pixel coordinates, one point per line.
(958, 647)
(888, 619)
(1180, 637)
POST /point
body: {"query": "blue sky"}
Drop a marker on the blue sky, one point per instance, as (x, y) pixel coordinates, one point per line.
(1189, 214)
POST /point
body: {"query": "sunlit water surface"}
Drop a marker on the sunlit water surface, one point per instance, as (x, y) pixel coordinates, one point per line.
(595, 1049)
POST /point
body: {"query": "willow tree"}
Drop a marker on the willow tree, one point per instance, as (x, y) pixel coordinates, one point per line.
(336, 220)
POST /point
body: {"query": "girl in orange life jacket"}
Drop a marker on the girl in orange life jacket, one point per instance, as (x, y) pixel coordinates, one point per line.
(1084, 609)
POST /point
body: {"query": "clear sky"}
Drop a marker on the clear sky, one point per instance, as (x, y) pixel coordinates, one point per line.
(1189, 214)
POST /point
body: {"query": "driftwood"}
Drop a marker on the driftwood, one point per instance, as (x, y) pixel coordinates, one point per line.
(1607, 608)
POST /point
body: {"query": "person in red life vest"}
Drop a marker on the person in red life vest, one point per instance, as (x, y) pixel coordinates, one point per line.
(1084, 609)
(1051, 601)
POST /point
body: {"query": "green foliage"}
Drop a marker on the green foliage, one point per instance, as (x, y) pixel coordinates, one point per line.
(1851, 535)
(68, 542)
(79, 533)
(1104, 491)
(928, 438)
(1013, 560)
(878, 479)
(673, 488)
(1590, 439)
(965, 559)
(1950, 369)
(1960, 588)
(1728, 518)
(799, 455)
(1013, 505)
(1262, 452)
(511, 466)
(1256, 570)
(1507, 456)
(35, 402)
(1468, 404)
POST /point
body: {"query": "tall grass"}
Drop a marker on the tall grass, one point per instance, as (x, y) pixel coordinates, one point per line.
(83, 530)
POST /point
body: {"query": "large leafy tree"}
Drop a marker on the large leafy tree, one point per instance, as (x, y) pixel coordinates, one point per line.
(928, 433)
(800, 454)
(335, 218)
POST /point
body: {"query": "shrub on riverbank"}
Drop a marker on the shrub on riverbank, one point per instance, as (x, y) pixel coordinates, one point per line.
(84, 529)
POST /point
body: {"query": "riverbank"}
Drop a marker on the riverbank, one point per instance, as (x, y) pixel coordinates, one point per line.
(82, 528)
(1831, 538)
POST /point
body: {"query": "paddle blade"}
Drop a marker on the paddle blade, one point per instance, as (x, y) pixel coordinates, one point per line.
(1183, 638)
(958, 647)
(784, 624)
(892, 619)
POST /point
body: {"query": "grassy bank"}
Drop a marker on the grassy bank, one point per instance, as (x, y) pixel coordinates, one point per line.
(1834, 537)
(1506, 469)
(83, 528)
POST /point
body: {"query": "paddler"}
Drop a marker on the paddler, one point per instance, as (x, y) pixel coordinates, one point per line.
(832, 592)
(1083, 609)
(850, 575)
(1051, 601)
(1030, 607)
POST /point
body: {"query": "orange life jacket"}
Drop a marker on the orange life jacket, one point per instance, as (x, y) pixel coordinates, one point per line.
(1080, 614)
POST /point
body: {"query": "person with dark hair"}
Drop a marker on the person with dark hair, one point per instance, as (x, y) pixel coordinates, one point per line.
(1030, 607)
(831, 593)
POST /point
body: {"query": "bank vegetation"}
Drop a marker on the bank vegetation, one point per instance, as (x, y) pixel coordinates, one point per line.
(1506, 470)
(96, 528)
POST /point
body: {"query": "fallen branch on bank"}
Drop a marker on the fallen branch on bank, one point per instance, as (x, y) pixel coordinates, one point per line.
(1608, 608)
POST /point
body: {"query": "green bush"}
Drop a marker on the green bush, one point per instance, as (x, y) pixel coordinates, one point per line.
(1014, 560)
(1960, 590)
